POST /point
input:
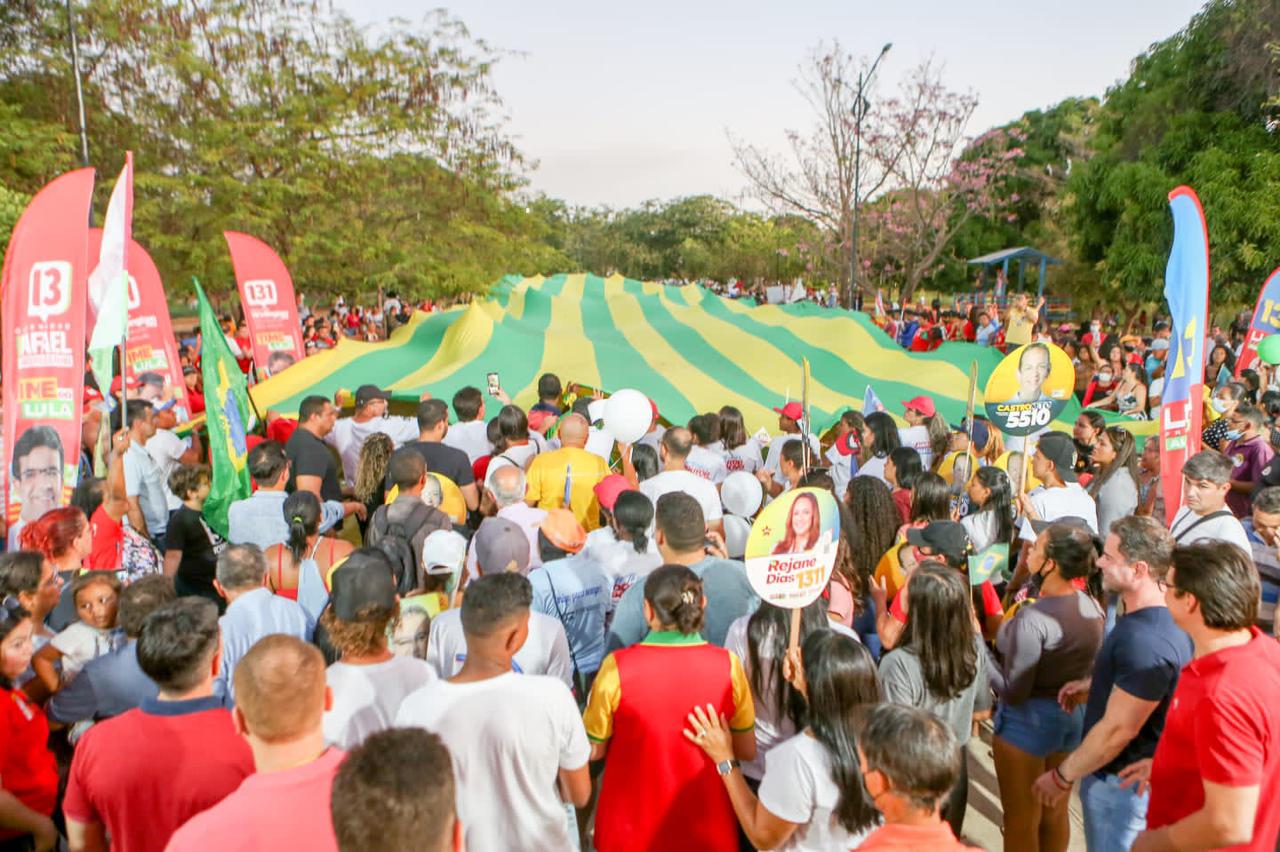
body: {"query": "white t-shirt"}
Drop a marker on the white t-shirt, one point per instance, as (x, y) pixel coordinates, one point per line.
(517, 456)
(471, 437)
(1226, 527)
(841, 468)
(509, 737)
(165, 448)
(348, 437)
(690, 483)
(545, 651)
(620, 561)
(600, 443)
(366, 698)
(874, 466)
(797, 787)
(746, 457)
(80, 643)
(1070, 501)
(707, 464)
(917, 437)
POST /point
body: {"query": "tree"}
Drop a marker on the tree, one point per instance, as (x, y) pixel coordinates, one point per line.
(916, 152)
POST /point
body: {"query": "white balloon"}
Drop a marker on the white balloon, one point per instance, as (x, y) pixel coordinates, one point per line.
(627, 415)
(736, 532)
(741, 494)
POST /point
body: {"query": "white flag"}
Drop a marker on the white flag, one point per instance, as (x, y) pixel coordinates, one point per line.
(109, 282)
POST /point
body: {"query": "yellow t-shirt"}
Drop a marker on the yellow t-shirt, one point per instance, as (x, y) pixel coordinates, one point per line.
(1019, 327)
(547, 475)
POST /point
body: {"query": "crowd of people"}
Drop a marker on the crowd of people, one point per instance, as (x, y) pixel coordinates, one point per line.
(493, 627)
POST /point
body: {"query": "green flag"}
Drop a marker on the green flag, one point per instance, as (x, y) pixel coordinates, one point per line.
(228, 414)
(992, 562)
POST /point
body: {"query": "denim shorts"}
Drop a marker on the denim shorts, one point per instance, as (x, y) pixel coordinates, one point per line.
(1039, 726)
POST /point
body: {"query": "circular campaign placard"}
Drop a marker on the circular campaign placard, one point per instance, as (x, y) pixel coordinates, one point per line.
(1029, 388)
(792, 547)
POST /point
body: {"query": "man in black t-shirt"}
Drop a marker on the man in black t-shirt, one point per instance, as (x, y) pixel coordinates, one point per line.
(433, 423)
(1133, 680)
(312, 465)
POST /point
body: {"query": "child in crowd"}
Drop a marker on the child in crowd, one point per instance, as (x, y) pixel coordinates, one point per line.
(97, 596)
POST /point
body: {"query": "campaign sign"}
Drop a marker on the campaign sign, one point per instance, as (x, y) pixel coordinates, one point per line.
(44, 282)
(270, 308)
(792, 547)
(1029, 388)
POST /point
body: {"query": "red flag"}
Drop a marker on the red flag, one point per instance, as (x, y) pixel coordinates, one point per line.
(151, 346)
(270, 307)
(43, 290)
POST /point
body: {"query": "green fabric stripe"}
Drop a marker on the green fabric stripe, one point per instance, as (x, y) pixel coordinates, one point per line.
(618, 361)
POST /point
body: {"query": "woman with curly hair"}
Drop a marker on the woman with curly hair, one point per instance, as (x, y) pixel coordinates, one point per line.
(371, 474)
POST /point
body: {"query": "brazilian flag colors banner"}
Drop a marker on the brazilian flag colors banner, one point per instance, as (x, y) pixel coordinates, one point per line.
(688, 349)
(227, 414)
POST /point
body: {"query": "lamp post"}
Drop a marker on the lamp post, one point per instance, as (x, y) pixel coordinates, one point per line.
(859, 112)
(75, 70)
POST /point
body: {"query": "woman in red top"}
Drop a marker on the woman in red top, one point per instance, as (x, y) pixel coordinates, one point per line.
(658, 791)
(28, 773)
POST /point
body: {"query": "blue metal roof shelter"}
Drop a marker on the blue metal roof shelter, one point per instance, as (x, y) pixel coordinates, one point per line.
(1022, 254)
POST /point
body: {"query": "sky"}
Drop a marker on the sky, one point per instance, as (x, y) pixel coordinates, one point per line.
(620, 103)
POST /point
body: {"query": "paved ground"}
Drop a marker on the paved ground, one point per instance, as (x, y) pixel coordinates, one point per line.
(982, 821)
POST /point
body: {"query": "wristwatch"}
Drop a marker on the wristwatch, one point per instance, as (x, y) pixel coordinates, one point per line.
(724, 767)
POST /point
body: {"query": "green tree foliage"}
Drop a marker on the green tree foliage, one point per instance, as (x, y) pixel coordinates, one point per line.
(1196, 110)
(363, 158)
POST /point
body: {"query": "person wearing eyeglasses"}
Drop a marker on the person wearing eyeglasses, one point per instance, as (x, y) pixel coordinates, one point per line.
(37, 471)
(1215, 775)
(28, 773)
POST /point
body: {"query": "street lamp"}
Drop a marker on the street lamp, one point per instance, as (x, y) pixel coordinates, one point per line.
(859, 111)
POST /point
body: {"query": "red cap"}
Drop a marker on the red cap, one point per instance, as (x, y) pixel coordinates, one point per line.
(608, 489)
(921, 404)
(792, 410)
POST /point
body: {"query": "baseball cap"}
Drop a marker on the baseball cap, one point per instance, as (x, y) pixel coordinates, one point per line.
(608, 489)
(563, 530)
(981, 431)
(1058, 448)
(500, 545)
(443, 552)
(793, 410)
(366, 394)
(364, 579)
(945, 537)
(921, 404)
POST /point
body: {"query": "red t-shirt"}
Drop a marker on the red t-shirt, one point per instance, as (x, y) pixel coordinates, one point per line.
(288, 809)
(108, 542)
(146, 772)
(1223, 726)
(27, 768)
(937, 838)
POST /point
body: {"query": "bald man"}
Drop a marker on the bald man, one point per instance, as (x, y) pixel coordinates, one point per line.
(281, 697)
(567, 477)
(673, 451)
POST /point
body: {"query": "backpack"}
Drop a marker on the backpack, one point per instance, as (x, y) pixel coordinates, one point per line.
(395, 539)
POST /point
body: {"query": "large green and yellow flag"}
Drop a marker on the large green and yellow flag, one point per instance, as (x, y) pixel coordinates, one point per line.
(688, 349)
(228, 415)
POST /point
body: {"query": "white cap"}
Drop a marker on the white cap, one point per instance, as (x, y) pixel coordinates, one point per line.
(741, 494)
(443, 552)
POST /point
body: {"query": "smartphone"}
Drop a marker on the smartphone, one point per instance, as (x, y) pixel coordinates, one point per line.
(494, 384)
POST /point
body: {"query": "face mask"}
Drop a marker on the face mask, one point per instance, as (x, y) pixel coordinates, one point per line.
(1104, 378)
(1095, 328)
(1233, 434)
(1219, 405)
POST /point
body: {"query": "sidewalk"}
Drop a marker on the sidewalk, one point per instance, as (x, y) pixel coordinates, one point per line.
(983, 820)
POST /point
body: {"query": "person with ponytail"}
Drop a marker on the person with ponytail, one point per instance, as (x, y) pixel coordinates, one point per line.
(939, 664)
(812, 795)
(300, 568)
(64, 538)
(656, 791)
(623, 548)
(990, 519)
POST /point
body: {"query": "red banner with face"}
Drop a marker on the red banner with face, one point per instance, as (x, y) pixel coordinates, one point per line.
(43, 292)
(270, 307)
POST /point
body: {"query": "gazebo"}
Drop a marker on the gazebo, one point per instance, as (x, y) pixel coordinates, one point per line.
(1022, 254)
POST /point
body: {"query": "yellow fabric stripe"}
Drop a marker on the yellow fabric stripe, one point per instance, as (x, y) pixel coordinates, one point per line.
(566, 350)
(606, 694)
(692, 383)
(462, 343)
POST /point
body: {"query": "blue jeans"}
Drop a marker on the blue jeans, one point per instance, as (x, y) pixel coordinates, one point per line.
(1113, 815)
